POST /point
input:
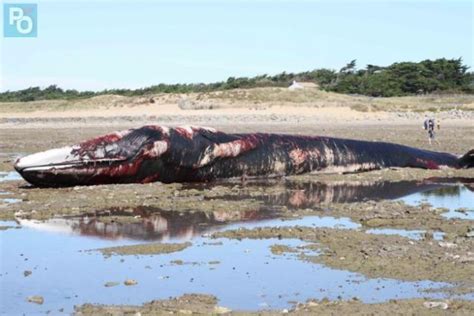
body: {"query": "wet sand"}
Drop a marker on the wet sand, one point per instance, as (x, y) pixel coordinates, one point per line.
(207, 305)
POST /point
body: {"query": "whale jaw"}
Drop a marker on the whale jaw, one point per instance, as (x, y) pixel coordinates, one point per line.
(61, 167)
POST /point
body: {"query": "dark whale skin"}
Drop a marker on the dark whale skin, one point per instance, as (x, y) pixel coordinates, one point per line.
(198, 154)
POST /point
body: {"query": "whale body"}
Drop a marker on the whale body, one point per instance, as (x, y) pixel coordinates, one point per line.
(200, 154)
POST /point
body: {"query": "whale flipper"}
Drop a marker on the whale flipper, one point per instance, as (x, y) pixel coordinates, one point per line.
(227, 150)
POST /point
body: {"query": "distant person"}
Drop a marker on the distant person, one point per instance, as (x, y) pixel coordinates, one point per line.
(429, 126)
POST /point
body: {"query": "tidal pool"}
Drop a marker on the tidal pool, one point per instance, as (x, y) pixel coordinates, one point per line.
(412, 234)
(459, 200)
(241, 274)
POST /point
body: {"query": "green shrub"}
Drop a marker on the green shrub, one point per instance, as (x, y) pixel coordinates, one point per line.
(399, 79)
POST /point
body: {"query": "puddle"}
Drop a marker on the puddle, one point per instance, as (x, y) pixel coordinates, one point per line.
(412, 234)
(9, 176)
(10, 201)
(242, 274)
(7, 200)
(459, 200)
(308, 221)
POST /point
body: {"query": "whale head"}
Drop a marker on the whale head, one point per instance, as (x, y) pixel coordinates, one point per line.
(118, 157)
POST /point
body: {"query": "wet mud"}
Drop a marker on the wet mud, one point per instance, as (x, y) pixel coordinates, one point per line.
(198, 304)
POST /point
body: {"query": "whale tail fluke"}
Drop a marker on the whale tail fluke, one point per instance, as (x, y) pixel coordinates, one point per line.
(467, 161)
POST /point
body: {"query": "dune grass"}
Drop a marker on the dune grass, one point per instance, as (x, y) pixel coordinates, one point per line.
(256, 97)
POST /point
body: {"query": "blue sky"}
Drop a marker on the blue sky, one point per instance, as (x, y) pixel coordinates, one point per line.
(95, 45)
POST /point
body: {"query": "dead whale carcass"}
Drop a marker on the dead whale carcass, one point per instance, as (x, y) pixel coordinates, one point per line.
(190, 154)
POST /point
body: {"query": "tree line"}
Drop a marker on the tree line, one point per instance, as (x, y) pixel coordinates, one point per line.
(398, 79)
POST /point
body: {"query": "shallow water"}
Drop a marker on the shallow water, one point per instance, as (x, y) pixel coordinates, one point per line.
(242, 274)
(412, 234)
(7, 200)
(459, 200)
(169, 226)
(9, 176)
(10, 201)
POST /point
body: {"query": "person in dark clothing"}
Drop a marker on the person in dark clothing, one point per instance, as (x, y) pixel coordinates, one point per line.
(429, 126)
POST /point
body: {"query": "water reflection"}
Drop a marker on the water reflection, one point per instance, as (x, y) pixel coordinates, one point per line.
(458, 200)
(146, 223)
(311, 194)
